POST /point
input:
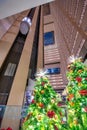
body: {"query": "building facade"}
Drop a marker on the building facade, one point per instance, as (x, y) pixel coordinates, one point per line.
(58, 30)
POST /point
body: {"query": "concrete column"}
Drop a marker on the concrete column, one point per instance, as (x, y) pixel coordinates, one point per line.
(12, 113)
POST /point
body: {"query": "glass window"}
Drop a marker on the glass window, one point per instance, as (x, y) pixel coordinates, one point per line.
(53, 71)
(48, 38)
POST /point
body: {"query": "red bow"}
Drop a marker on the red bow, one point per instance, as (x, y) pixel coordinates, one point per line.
(79, 79)
(50, 114)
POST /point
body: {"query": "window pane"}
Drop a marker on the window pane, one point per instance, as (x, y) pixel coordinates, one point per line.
(53, 71)
(48, 38)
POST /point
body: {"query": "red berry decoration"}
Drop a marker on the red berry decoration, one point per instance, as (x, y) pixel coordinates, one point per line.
(50, 114)
(43, 83)
(79, 79)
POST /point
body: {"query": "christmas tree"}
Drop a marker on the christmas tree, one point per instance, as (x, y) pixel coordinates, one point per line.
(77, 95)
(44, 112)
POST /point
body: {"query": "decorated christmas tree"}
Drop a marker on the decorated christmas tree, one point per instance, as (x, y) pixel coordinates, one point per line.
(44, 112)
(77, 95)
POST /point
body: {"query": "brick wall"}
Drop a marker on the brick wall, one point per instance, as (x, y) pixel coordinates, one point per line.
(70, 19)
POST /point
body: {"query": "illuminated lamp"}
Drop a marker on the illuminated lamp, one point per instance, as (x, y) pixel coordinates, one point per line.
(25, 25)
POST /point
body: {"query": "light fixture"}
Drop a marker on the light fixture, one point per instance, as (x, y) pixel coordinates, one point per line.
(25, 25)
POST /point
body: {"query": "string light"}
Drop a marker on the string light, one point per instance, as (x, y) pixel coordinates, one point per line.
(73, 59)
(41, 73)
(25, 25)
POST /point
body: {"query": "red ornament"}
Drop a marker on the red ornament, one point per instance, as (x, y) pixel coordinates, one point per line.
(85, 78)
(9, 128)
(43, 83)
(59, 104)
(41, 105)
(83, 92)
(71, 96)
(85, 109)
(50, 114)
(79, 79)
(33, 101)
(67, 99)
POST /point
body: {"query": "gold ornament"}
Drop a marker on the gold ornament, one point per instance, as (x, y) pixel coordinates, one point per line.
(71, 71)
(85, 68)
(71, 124)
(53, 101)
(79, 71)
(45, 86)
(72, 103)
(56, 117)
(75, 121)
(79, 84)
(42, 91)
(39, 117)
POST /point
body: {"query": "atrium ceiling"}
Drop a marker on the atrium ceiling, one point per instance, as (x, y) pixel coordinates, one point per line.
(12, 7)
